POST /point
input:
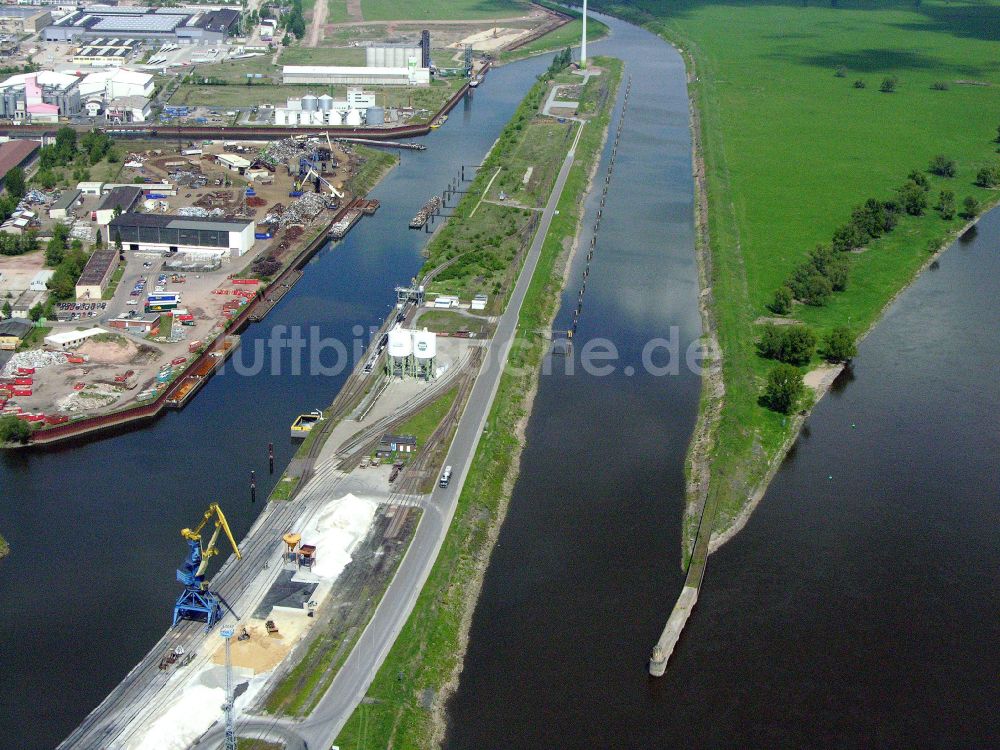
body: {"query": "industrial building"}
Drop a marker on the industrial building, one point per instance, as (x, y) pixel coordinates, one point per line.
(158, 233)
(127, 109)
(12, 333)
(117, 83)
(18, 19)
(392, 55)
(325, 110)
(96, 276)
(65, 205)
(18, 153)
(175, 24)
(40, 97)
(343, 75)
(121, 199)
(107, 52)
(146, 325)
(71, 339)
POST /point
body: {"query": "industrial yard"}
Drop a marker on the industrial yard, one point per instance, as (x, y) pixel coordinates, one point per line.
(115, 347)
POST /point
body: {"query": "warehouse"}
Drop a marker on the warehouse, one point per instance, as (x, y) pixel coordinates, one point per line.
(121, 199)
(341, 75)
(147, 325)
(71, 339)
(117, 83)
(174, 24)
(16, 19)
(16, 154)
(158, 233)
(96, 276)
(12, 333)
(65, 205)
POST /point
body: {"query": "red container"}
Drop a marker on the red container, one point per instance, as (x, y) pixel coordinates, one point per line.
(246, 281)
(178, 360)
(25, 370)
(22, 392)
(23, 381)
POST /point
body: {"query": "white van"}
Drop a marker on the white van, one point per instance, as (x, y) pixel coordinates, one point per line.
(445, 477)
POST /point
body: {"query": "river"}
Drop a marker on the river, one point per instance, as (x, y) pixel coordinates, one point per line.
(94, 528)
(858, 608)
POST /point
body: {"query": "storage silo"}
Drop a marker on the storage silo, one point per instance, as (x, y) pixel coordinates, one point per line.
(353, 118)
(310, 103)
(399, 354)
(326, 102)
(375, 116)
(332, 117)
(424, 353)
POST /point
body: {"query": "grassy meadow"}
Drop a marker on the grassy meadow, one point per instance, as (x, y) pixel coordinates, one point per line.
(791, 146)
(445, 10)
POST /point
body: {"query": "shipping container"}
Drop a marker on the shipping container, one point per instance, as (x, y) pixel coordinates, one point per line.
(22, 392)
(24, 381)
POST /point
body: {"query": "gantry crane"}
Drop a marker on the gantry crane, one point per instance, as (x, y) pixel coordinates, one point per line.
(196, 602)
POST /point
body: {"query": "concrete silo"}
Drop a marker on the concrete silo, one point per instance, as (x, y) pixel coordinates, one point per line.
(399, 352)
(424, 354)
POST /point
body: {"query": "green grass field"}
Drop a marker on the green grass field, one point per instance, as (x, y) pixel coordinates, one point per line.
(791, 148)
(444, 10)
(336, 11)
(297, 55)
(424, 655)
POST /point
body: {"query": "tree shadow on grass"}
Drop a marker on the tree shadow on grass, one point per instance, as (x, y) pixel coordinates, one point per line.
(967, 21)
(880, 61)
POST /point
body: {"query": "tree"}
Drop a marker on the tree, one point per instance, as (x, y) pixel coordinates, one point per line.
(784, 386)
(913, 198)
(942, 166)
(859, 84)
(35, 313)
(988, 177)
(782, 303)
(14, 430)
(14, 183)
(970, 207)
(849, 237)
(817, 290)
(839, 345)
(840, 72)
(47, 178)
(946, 205)
(888, 85)
(920, 178)
(6, 309)
(792, 344)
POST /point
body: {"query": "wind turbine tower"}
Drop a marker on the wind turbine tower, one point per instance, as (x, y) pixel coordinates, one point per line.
(583, 40)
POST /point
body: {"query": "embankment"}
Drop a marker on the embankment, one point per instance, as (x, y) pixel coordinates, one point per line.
(428, 652)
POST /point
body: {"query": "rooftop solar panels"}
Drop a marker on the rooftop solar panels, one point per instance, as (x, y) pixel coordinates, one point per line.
(138, 24)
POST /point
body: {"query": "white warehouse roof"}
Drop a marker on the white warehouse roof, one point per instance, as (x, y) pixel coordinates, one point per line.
(58, 339)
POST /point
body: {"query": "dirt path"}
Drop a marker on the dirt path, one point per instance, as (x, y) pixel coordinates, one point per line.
(320, 9)
(425, 22)
(354, 11)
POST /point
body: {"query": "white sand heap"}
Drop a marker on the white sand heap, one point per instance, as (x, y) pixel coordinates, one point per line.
(336, 531)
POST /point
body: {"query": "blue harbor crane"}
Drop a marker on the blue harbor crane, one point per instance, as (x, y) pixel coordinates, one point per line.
(196, 602)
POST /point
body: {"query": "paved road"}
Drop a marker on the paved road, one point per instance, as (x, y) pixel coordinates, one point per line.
(354, 678)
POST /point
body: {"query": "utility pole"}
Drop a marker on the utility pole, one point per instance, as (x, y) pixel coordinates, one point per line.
(228, 633)
(583, 41)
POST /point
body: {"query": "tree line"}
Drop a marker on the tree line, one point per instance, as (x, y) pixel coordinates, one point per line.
(825, 271)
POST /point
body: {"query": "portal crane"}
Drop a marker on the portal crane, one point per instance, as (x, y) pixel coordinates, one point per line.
(196, 602)
(312, 173)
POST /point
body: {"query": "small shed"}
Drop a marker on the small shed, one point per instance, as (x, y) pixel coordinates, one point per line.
(390, 444)
(65, 204)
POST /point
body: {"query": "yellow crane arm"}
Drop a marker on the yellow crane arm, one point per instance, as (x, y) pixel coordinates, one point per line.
(209, 550)
(225, 527)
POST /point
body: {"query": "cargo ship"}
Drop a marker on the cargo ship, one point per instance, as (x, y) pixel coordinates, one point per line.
(342, 227)
(439, 121)
(418, 221)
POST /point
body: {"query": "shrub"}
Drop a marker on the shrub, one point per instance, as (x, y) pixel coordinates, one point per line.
(988, 177)
(859, 84)
(913, 198)
(942, 166)
(840, 72)
(946, 205)
(817, 290)
(839, 345)
(784, 386)
(888, 85)
(782, 303)
(970, 207)
(939, 86)
(14, 430)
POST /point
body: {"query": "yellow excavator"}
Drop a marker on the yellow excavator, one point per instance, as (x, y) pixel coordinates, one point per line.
(196, 602)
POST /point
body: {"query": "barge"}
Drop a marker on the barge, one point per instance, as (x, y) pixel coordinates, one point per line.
(418, 221)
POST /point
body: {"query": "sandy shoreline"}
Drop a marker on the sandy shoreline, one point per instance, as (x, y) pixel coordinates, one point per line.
(567, 256)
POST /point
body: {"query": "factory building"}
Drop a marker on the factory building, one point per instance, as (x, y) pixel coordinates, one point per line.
(18, 153)
(12, 332)
(107, 52)
(71, 339)
(173, 24)
(425, 49)
(65, 205)
(325, 110)
(158, 233)
(40, 97)
(121, 199)
(342, 75)
(97, 274)
(117, 83)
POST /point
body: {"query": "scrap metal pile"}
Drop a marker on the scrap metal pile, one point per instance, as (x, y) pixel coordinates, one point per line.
(32, 359)
(302, 211)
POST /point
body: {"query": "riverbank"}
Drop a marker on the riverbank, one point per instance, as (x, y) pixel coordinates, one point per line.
(747, 251)
(407, 712)
(4, 547)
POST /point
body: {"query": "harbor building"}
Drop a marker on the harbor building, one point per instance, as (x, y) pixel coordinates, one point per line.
(180, 25)
(158, 233)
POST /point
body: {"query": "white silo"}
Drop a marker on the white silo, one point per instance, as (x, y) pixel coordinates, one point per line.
(310, 102)
(424, 353)
(399, 354)
(326, 102)
(353, 118)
